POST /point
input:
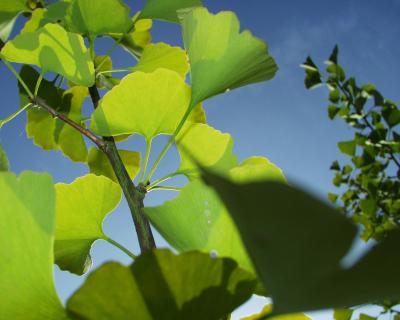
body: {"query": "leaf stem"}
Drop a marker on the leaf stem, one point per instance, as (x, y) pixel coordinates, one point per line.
(15, 114)
(146, 159)
(167, 188)
(38, 83)
(113, 71)
(168, 145)
(16, 74)
(165, 178)
(121, 247)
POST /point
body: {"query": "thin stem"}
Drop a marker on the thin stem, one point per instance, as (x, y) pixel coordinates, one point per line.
(121, 247)
(168, 145)
(113, 71)
(38, 83)
(146, 159)
(167, 188)
(41, 103)
(134, 196)
(16, 74)
(165, 178)
(60, 83)
(91, 47)
(15, 114)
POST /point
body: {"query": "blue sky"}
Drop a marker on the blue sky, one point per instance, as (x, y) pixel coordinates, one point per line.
(279, 119)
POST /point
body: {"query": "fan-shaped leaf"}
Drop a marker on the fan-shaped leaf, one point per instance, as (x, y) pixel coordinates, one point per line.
(162, 55)
(4, 164)
(297, 244)
(53, 49)
(27, 219)
(81, 209)
(98, 17)
(207, 146)
(220, 57)
(146, 103)
(198, 220)
(167, 9)
(100, 165)
(161, 285)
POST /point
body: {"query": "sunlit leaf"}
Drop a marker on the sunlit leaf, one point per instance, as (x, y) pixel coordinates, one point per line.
(4, 164)
(297, 244)
(268, 309)
(145, 103)
(55, 50)
(27, 220)
(98, 17)
(49, 133)
(9, 11)
(81, 209)
(348, 147)
(167, 9)
(161, 285)
(100, 165)
(221, 58)
(205, 145)
(342, 314)
(198, 220)
(161, 55)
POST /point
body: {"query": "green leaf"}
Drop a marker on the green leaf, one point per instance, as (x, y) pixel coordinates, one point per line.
(161, 285)
(342, 314)
(98, 17)
(268, 309)
(9, 11)
(4, 164)
(348, 147)
(313, 76)
(27, 218)
(54, 50)
(161, 55)
(293, 242)
(197, 220)
(145, 103)
(221, 58)
(100, 165)
(364, 316)
(47, 132)
(205, 145)
(166, 10)
(81, 208)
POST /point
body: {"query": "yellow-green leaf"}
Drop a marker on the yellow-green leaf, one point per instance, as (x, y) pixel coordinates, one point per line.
(161, 285)
(9, 11)
(98, 17)
(100, 165)
(162, 55)
(54, 50)
(145, 103)
(27, 220)
(221, 58)
(166, 10)
(81, 208)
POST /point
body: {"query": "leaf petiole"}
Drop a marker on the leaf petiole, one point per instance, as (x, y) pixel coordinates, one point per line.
(120, 247)
(38, 83)
(146, 159)
(14, 115)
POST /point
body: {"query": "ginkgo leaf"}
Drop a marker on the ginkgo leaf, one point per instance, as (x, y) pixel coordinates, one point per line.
(166, 10)
(54, 13)
(298, 243)
(268, 309)
(55, 50)
(100, 165)
(81, 208)
(98, 17)
(162, 55)
(198, 220)
(145, 103)
(27, 219)
(257, 169)
(220, 57)
(9, 11)
(161, 285)
(47, 132)
(205, 145)
(4, 164)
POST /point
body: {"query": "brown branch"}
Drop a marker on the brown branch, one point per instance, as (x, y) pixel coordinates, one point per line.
(57, 115)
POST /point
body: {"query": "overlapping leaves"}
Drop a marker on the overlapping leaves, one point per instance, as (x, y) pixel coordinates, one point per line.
(9, 11)
(167, 10)
(293, 242)
(161, 285)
